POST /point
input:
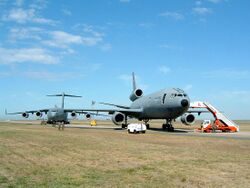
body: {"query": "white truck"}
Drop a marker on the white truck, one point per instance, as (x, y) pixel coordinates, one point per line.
(136, 128)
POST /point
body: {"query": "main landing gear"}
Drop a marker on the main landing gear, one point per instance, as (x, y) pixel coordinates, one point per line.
(146, 123)
(168, 125)
(125, 124)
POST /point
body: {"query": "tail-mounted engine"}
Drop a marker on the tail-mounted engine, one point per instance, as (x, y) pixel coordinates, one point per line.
(118, 118)
(136, 94)
(188, 119)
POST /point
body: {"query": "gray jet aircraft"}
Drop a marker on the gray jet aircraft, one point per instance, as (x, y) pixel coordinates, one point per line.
(54, 115)
(167, 104)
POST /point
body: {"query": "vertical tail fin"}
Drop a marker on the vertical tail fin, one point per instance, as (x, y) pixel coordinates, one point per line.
(136, 93)
(63, 95)
(134, 83)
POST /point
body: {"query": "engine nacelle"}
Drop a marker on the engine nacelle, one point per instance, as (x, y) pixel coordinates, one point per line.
(88, 116)
(118, 118)
(25, 115)
(136, 94)
(188, 119)
(39, 114)
(73, 115)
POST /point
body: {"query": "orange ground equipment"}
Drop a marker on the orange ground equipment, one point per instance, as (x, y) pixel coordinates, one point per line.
(221, 122)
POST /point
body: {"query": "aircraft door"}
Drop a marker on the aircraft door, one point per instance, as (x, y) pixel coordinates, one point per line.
(164, 98)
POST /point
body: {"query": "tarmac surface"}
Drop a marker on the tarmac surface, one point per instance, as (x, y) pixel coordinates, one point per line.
(242, 135)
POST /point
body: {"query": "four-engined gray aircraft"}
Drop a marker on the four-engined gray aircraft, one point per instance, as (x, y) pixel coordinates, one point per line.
(54, 115)
(167, 104)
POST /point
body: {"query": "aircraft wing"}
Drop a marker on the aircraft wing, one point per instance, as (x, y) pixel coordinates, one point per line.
(29, 112)
(197, 111)
(109, 111)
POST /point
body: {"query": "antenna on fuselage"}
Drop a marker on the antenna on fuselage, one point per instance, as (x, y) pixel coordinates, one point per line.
(63, 95)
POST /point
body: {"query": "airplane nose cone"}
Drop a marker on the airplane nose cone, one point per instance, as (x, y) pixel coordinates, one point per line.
(184, 103)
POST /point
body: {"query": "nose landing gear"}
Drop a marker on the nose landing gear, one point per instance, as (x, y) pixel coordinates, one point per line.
(168, 125)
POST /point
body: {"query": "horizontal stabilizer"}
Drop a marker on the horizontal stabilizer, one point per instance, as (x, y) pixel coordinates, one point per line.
(65, 95)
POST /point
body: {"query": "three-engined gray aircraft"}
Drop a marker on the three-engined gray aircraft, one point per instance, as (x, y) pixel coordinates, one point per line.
(167, 104)
(54, 115)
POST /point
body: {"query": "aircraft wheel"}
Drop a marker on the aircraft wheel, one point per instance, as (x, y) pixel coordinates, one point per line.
(147, 125)
(164, 126)
(124, 126)
(171, 129)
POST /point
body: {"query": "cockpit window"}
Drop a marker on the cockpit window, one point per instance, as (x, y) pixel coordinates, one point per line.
(178, 95)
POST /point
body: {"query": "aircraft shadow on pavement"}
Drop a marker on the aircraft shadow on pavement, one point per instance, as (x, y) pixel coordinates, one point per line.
(175, 131)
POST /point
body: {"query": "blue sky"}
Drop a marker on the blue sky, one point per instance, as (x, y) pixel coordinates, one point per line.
(91, 47)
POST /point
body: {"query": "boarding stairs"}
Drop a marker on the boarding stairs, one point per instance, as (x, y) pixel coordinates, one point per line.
(221, 122)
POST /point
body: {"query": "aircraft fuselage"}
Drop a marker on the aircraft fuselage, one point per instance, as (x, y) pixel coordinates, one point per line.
(165, 104)
(57, 115)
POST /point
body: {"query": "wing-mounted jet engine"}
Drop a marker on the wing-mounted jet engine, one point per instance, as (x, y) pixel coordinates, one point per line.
(25, 115)
(39, 114)
(118, 118)
(88, 116)
(188, 119)
(137, 93)
(73, 115)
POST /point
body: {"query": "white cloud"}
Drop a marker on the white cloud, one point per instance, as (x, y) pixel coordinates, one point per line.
(39, 4)
(66, 12)
(173, 15)
(23, 16)
(33, 55)
(125, 1)
(62, 39)
(26, 33)
(202, 10)
(188, 87)
(91, 30)
(127, 79)
(106, 47)
(3, 2)
(19, 2)
(164, 69)
(198, 3)
(215, 1)
(51, 76)
(146, 25)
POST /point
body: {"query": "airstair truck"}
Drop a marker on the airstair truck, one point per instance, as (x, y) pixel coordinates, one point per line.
(221, 122)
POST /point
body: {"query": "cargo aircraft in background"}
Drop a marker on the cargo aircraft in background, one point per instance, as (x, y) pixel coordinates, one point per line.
(167, 104)
(54, 115)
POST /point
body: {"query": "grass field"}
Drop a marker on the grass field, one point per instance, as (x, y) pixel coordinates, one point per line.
(36, 156)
